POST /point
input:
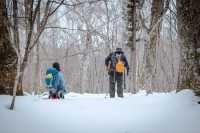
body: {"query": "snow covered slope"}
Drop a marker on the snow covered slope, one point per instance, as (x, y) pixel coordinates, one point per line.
(89, 113)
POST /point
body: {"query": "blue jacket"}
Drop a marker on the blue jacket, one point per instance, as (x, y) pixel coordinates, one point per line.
(58, 81)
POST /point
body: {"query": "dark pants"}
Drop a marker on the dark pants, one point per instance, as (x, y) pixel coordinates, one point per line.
(54, 93)
(113, 79)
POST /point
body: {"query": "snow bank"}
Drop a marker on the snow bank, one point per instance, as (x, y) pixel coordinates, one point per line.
(93, 113)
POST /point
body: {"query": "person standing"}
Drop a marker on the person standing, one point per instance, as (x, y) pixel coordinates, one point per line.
(116, 64)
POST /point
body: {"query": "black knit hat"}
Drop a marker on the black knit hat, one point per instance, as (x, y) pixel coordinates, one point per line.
(56, 65)
(118, 49)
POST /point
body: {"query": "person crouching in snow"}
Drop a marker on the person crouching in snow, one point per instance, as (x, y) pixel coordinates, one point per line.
(55, 82)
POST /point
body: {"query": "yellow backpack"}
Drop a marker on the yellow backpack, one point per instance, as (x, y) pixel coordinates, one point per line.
(120, 68)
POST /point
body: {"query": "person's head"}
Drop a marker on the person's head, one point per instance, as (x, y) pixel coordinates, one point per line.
(56, 65)
(118, 51)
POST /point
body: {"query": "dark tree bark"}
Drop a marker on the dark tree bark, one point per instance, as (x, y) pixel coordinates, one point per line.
(131, 28)
(188, 18)
(8, 56)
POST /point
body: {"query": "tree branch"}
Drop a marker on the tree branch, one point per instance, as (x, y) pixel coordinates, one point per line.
(143, 22)
(161, 17)
(52, 12)
(77, 4)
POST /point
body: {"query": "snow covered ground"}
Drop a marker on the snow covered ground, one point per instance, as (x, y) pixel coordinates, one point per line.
(89, 113)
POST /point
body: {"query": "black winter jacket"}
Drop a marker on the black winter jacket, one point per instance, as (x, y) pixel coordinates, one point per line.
(112, 60)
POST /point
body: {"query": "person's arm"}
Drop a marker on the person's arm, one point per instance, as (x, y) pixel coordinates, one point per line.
(61, 82)
(56, 80)
(107, 60)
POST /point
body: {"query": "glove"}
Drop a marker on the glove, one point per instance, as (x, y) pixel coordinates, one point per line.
(108, 70)
(127, 71)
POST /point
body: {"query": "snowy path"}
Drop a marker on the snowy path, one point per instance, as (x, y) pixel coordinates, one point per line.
(157, 113)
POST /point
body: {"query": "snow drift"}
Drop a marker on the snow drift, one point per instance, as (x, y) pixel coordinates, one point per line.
(93, 113)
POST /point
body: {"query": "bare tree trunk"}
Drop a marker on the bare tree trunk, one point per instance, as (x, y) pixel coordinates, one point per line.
(22, 68)
(109, 46)
(156, 12)
(8, 56)
(131, 27)
(37, 64)
(85, 62)
(17, 49)
(28, 4)
(16, 83)
(188, 18)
